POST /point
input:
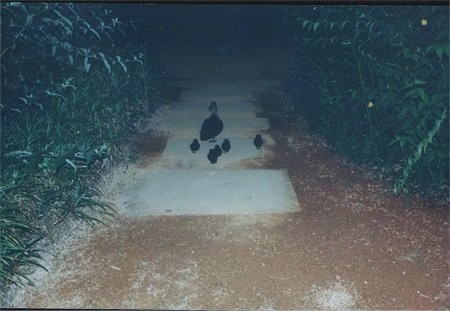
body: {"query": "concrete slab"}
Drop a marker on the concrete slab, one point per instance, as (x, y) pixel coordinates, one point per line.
(201, 97)
(208, 83)
(242, 109)
(227, 90)
(178, 154)
(184, 183)
(189, 126)
(211, 192)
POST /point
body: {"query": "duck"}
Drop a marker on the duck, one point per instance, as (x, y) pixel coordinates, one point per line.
(258, 141)
(217, 150)
(212, 126)
(195, 146)
(226, 146)
(212, 156)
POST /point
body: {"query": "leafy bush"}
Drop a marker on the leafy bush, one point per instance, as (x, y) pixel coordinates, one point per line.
(69, 94)
(375, 81)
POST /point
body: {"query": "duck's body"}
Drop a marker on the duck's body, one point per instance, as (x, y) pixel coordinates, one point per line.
(212, 126)
(258, 141)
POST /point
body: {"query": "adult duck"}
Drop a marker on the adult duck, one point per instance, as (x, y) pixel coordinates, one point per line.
(212, 126)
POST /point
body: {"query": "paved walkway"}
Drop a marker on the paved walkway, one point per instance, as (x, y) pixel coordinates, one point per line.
(186, 183)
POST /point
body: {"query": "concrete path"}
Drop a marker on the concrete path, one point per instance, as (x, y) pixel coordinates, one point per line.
(188, 184)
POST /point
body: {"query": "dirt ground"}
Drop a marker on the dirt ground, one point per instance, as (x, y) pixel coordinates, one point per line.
(394, 249)
(352, 245)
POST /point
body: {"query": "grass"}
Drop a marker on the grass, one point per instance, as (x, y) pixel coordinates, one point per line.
(64, 109)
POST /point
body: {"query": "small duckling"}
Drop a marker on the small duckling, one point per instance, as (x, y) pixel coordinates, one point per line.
(258, 141)
(226, 146)
(195, 146)
(217, 150)
(212, 156)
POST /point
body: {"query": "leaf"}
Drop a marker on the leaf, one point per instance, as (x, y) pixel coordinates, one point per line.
(305, 23)
(316, 25)
(95, 32)
(91, 29)
(87, 66)
(138, 60)
(105, 62)
(413, 84)
(438, 48)
(343, 25)
(66, 20)
(29, 19)
(18, 153)
(85, 51)
(13, 4)
(122, 64)
(423, 95)
(405, 51)
(332, 25)
(132, 25)
(421, 106)
(71, 164)
(419, 150)
(439, 51)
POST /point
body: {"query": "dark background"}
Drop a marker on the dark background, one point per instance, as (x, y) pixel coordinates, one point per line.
(216, 24)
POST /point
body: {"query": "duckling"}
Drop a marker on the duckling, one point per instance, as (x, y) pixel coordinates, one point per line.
(226, 146)
(217, 150)
(258, 141)
(195, 146)
(212, 156)
(212, 126)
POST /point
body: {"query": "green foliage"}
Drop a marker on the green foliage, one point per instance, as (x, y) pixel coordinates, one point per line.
(17, 251)
(421, 149)
(69, 95)
(375, 81)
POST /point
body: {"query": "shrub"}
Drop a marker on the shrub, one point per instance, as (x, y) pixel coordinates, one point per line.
(380, 84)
(68, 96)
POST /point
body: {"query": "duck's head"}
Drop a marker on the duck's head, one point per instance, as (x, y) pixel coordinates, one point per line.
(213, 107)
